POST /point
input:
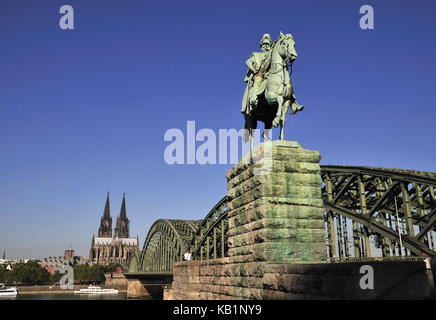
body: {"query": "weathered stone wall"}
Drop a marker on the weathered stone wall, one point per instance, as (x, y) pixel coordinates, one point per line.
(392, 280)
(221, 280)
(115, 280)
(278, 215)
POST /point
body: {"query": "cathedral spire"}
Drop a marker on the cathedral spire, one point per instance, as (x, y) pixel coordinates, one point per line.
(123, 214)
(107, 208)
(122, 225)
(105, 230)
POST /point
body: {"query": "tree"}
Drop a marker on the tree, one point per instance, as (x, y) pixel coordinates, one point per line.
(111, 267)
(96, 273)
(29, 273)
(81, 273)
(56, 276)
(3, 274)
(7, 277)
(88, 274)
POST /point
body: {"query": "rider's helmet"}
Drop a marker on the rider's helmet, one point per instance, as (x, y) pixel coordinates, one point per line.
(266, 38)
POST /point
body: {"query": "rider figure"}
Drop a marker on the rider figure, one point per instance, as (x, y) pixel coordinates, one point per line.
(258, 64)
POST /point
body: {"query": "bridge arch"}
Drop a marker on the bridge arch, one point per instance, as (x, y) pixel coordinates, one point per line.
(166, 242)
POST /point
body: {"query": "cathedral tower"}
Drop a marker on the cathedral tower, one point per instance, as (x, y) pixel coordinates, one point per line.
(106, 249)
(105, 230)
(122, 224)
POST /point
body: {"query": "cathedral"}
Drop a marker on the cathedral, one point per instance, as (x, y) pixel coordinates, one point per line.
(113, 248)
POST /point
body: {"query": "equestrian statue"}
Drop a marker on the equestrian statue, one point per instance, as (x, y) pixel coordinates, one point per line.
(269, 91)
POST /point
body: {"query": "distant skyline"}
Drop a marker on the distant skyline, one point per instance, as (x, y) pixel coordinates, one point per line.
(83, 112)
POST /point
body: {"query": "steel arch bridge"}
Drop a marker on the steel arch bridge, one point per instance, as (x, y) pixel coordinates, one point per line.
(369, 212)
(166, 242)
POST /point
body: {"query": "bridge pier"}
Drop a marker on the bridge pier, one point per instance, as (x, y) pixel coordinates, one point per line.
(135, 289)
(148, 284)
(275, 206)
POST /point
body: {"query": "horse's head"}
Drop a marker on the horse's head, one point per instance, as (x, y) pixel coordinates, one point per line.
(287, 47)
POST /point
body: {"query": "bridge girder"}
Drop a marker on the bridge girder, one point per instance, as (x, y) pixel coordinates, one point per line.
(377, 201)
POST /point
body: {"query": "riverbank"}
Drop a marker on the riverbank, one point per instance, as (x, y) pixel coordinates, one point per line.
(47, 289)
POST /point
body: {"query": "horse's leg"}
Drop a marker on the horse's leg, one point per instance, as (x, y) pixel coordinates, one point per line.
(285, 108)
(295, 107)
(255, 119)
(282, 129)
(267, 135)
(250, 124)
(276, 120)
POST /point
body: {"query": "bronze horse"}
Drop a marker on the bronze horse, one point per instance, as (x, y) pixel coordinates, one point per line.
(274, 101)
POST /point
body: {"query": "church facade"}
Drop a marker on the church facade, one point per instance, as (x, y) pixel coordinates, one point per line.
(113, 247)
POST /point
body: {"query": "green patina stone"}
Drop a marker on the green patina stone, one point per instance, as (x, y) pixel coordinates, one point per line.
(277, 216)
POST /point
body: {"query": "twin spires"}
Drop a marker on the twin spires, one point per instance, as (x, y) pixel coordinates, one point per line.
(121, 229)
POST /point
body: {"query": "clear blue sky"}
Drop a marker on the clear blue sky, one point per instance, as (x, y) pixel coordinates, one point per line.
(84, 112)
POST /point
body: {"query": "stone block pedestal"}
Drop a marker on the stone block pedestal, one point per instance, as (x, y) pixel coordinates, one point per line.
(275, 205)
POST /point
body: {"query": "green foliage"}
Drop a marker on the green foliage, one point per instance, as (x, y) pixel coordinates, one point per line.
(27, 273)
(111, 267)
(81, 273)
(56, 276)
(89, 274)
(3, 272)
(31, 273)
(96, 273)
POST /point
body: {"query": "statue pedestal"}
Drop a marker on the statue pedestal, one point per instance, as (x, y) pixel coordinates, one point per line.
(275, 206)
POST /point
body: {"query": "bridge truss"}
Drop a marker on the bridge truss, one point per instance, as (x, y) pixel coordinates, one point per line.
(369, 212)
(382, 205)
(166, 242)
